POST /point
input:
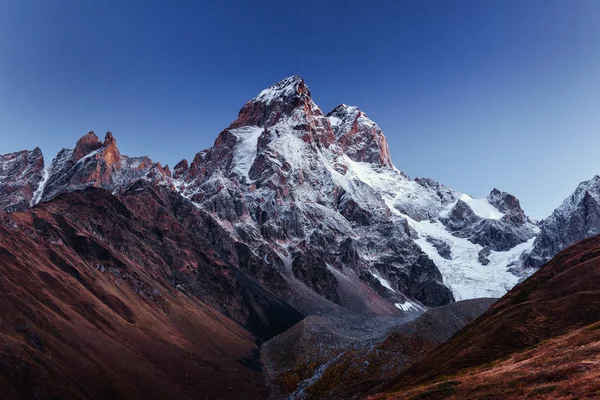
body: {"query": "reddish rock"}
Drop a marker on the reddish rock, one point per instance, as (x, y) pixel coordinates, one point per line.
(360, 138)
(110, 152)
(85, 145)
(180, 168)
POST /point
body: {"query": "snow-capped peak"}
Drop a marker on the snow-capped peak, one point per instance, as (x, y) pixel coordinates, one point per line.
(285, 88)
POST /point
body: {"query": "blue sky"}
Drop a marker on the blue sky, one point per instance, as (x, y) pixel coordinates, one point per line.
(475, 94)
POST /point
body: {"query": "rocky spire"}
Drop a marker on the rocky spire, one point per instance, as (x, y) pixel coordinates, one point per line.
(180, 168)
(359, 137)
(509, 205)
(110, 152)
(85, 145)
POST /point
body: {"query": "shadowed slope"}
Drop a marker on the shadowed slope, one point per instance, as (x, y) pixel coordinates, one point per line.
(340, 357)
(87, 308)
(560, 298)
(562, 368)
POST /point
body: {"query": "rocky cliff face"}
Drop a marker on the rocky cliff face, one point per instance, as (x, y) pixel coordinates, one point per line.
(358, 136)
(577, 218)
(318, 212)
(283, 178)
(20, 176)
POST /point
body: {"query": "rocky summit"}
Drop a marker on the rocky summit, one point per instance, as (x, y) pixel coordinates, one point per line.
(295, 230)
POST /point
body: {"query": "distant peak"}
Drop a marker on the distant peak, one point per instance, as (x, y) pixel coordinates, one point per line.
(89, 137)
(110, 151)
(85, 145)
(180, 168)
(345, 112)
(109, 139)
(286, 88)
(182, 165)
(495, 194)
(278, 101)
(344, 108)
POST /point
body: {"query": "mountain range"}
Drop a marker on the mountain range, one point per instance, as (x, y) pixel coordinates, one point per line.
(293, 234)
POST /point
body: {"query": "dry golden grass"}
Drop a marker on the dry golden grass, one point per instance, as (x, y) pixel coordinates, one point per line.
(566, 367)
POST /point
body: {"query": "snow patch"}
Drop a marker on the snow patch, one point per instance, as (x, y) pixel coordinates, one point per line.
(245, 149)
(384, 282)
(481, 208)
(334, 121)
(37, 195)
(282, 89)
(464, 274)
(407, 306)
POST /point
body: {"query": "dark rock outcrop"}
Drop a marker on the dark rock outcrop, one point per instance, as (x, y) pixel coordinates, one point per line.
(509, 205)
(460, 217)
(483, 256)
(501, 234)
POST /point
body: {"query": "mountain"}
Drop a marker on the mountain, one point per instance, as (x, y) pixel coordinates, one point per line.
(94, 163)
(320, 191)
(293, 235)
(540, 340)
(577, 218)
(315, 196)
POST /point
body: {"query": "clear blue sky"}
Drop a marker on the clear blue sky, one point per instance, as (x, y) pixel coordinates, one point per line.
(476, 94)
